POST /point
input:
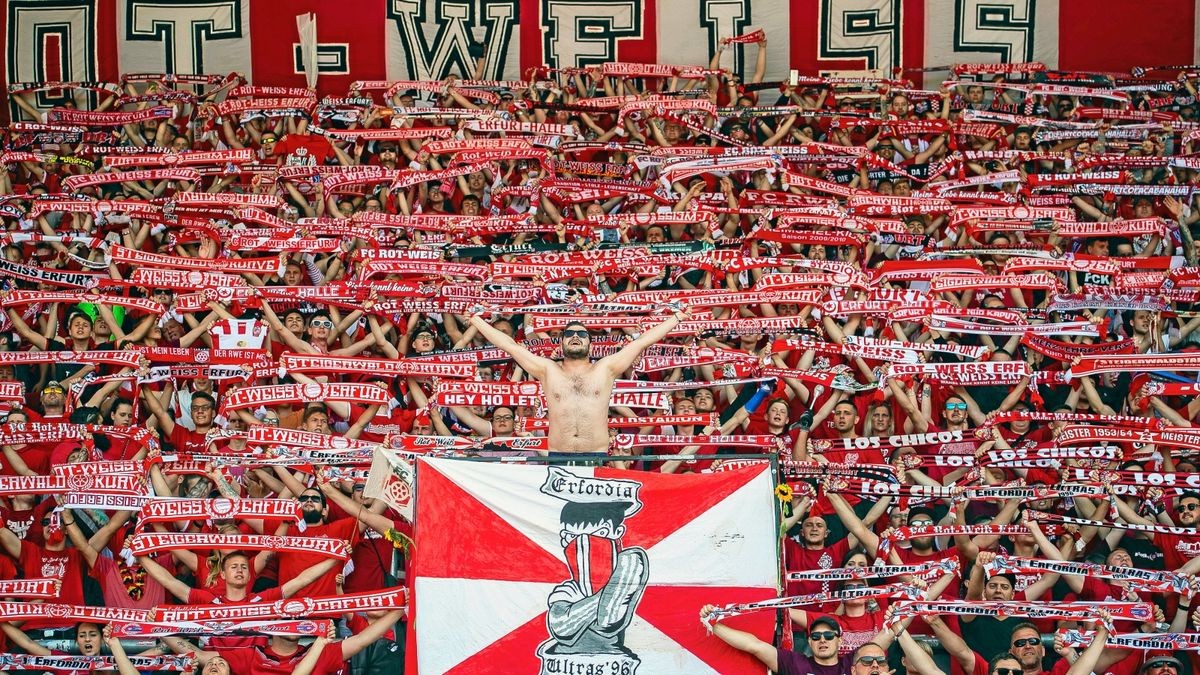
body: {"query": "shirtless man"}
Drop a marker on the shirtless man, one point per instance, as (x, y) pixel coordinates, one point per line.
(578, 391)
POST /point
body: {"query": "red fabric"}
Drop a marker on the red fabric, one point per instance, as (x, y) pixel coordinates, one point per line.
(302, 150)
(200, 596)
(66, 566)
(1177, 550)
(186, 440)
(799, 558)
(260, 660)
(292, 564)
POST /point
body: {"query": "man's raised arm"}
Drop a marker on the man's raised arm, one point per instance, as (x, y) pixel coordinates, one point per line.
(620, 361)
(532, 363)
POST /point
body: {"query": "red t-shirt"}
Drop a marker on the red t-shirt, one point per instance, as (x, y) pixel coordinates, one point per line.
(186, 440)
(1177, 549)
(66, 566)
(291, 564)
(260, 660)
(801, 559)
(199, 596)
(859, 630)
(910, 557)
(303, 150)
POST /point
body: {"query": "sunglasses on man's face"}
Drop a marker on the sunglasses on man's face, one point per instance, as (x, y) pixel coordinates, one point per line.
(322, 323)
(872, 660)
(1027, 642)
(1187, 507)
(575, 332)
(1007, 671)
(309, 498)
(823, 635)
(956, 406)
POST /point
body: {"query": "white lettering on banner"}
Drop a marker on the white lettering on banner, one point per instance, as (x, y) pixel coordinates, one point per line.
(585, 33)
(901, 440)
(184, 29)
(454, 21)
(862, 29)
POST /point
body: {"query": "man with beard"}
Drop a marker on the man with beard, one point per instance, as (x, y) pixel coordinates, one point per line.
(956, 417)
(578, 391)
(315, 509)
(1178, 549)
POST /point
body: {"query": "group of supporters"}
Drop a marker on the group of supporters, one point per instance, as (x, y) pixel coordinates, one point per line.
(962, 318)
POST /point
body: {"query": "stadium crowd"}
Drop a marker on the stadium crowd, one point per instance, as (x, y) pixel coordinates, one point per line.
(961, 317)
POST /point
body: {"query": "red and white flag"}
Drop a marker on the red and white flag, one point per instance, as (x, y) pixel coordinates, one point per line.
(651, 549)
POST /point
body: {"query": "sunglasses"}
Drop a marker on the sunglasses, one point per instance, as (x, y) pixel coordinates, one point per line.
(1187, 507)
(872, 660)
(322, 323)
(1027, 642)
(308, 498)
(270, 420)
(50, 390)
(956, 406)
(1160, 664)
(823, 635)
(575, 332)
(1007, 671)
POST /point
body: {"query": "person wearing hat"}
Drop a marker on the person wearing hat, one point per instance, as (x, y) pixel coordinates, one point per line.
(824, 638)
(1160, 665)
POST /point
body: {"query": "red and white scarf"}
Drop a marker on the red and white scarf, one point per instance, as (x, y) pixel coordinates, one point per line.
(293, 608)
(146, 543)
(276, 394)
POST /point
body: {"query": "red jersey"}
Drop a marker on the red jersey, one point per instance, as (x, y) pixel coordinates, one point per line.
(291, 564)
(260, 660)
(66, 566)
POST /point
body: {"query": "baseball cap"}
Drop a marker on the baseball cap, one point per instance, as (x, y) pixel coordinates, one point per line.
(1163, 660)
(921, 511)
(828, 620)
